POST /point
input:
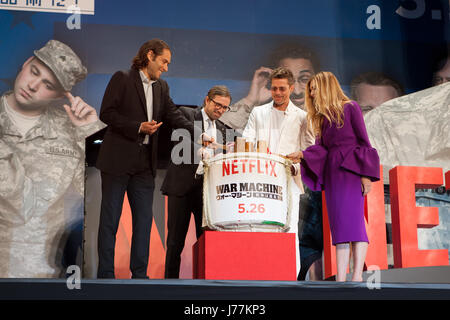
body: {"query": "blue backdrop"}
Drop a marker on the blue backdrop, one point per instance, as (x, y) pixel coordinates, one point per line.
(225, 42)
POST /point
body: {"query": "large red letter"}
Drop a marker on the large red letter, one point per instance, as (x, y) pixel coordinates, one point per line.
(447, 180)
(406, 217)
(329, 253)
(376, 226)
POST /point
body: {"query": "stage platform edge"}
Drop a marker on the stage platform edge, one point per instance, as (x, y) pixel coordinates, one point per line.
(412, 283)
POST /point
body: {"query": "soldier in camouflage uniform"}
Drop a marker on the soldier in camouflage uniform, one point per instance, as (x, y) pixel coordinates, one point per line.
(42, 143)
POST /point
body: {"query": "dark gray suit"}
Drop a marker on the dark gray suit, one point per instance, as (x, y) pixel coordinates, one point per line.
(184, 196)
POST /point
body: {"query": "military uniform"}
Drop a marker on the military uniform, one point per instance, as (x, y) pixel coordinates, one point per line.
(36, 170)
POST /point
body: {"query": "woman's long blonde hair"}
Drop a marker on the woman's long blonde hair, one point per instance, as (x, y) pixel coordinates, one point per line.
(328, 101)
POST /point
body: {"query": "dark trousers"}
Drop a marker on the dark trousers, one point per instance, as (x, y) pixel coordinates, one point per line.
(311, 239)
(139, 188)
(179, 215)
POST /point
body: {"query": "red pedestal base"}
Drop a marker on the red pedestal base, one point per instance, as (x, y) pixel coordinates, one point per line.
(245, 256)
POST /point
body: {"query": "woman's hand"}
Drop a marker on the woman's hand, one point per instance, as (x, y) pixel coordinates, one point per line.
(295, 157)
(366, 185)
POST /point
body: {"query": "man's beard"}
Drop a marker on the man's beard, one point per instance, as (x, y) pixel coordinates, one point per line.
(275, 104)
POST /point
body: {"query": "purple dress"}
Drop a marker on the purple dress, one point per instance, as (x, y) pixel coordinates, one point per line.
(335, 164)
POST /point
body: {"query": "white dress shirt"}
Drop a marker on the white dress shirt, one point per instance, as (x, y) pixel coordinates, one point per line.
(148, 90)
(276, 123)
(209, 125)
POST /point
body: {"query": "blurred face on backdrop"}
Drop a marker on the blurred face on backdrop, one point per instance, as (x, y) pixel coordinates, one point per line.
(216, 106)
(371, 96)
(34, 88)
(443, 75)
(302, 70)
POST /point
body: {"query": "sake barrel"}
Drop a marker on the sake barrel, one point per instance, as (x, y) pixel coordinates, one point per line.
(247, 191)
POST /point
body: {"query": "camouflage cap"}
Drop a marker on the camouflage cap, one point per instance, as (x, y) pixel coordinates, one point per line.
(64, 63)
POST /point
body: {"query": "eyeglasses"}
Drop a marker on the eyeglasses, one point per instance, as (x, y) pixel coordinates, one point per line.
(219, 105)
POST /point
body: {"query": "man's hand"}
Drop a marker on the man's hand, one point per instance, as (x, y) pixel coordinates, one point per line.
(205, 153)
(79, 112)
(149, 127)
(205, 140)
(258, 93)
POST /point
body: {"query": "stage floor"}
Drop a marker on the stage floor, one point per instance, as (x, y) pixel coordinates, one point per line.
(411, 283)
(92, 289)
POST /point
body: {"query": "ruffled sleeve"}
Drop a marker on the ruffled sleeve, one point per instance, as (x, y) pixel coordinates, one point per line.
(362, 159)
(312, 166)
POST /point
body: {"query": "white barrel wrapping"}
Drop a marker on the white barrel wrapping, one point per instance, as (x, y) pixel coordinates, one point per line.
(247, 191)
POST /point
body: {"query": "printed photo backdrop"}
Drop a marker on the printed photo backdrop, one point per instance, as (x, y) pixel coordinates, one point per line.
(226, 43)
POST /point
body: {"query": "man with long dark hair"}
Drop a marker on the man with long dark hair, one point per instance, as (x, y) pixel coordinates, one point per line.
(135, 104)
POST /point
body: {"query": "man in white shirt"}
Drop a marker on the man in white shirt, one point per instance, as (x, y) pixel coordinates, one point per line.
(284, 127)
(300, 60)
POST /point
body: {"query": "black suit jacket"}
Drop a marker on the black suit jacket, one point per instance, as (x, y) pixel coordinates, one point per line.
(123, 110)
(180, 178)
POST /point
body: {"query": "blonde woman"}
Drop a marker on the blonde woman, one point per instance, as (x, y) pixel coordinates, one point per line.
(343, 163)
